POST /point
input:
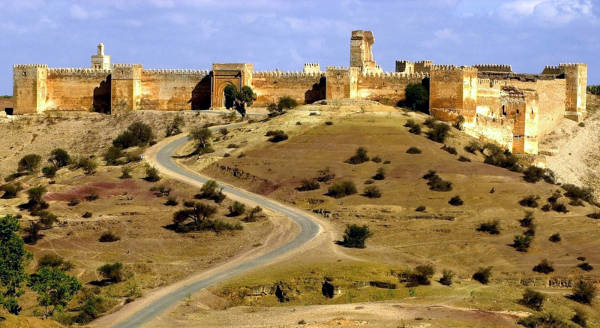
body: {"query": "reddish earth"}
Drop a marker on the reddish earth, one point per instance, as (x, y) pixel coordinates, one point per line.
(100, 188)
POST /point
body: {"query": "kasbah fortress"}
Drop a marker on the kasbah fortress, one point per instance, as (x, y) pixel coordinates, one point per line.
(514, 110)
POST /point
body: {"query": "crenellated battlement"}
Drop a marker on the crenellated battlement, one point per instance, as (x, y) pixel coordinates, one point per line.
(493, 68)
(424, 62)
(395, 75)
(454, 68)
(281, 74)
(161, 71)
(126, 66)
(572, 64)
(30, 66)
(74, 72)
(338, 68)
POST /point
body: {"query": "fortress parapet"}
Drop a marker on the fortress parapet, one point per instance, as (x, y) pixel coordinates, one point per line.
(408, 67)
(312, 68)
(493, 68)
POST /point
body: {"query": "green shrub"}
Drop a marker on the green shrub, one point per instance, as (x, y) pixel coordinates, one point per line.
(585, 266)
(210, 190)
(87, 164)
(494, 155)
(137, 134)
(202, 137)
(439, 132)
(277, 135)
(307, 185)
(546, 320)
(421, 208)
(580, 317)
(417, 97)
(47, 219)
(533, 174)
(483, 275)
(436, 183)
(152, 174)
(372, 192)
(595, 215)
(59, 157)
(232, 145)
(555, 238)
(171, 201)
(414, 127)
(430, 122)
(108, 237)
(92, 196)
(174, 127)
(522, 242)
(54, 261)
(456, 201)
(447, 276)
(527, 221)
(359, 157)
(574, 192)
(325, 175)
(376, 159)
(473, 147)
(583, 292)
(342, 189)
(413, 150)
(87, 215)
(237, 209)
(11, 190)
(491, 227)
(380, 175)
(355, 236)
(450, 150)
(532, 299)
(463, 159)
(286, 103)
(112, 272)
(421, 275)
(530, 201)
(29, 163)
(125, 172)
(544, 266)
(254, 214)
(112, 155)
(460, 121)
(49, 171)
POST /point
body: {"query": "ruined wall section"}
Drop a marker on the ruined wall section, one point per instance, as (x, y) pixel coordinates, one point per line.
(576, 103)
(303, 87)
(453, 93)
(167, 89)
(485, 128)
(29, 88)
(387, 88)
(72, 89)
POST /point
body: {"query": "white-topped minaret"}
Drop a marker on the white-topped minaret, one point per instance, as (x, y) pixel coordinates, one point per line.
(100, 60)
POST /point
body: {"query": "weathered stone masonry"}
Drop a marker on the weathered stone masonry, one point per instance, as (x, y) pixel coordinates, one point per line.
(514, 110)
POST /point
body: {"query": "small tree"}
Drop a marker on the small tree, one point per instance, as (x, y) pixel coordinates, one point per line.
(309, 184)
(544, 266)
(210, 190)
(584, 292)
(230, 93)
(202, 138)
(491, 227)
(49, 171)
(174, 128)
(355, 236)
(522, 242)
(286, 103)
(112, 272)
(439, 132)
(417, 97)
(422, 275)
(54, 288)
(112, 155)
(254, 214)
(380, 175)
(13, 258)
(341, 189)
(152, 174)
(372, 192)
(195, 211)
(36, 201)
(11, 190)
(244, 98)
(125, 172)
(59, 157)
(580, 317)
(533, 299)
(29, 163)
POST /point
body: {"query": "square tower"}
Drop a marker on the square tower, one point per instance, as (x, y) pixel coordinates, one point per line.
(361, 51)
(100, 60)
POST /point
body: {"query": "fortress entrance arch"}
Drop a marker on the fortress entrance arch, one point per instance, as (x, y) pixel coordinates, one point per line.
(221, 79)
(102, 94)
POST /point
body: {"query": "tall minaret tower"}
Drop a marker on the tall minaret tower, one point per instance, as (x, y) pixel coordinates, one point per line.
(100, 60)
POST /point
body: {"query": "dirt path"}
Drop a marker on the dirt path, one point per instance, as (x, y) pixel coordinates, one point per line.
(288, 237)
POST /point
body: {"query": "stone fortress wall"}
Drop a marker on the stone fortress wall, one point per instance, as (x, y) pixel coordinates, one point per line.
(497, 104)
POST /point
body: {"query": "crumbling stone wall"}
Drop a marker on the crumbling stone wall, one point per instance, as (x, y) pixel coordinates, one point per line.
(388, 88)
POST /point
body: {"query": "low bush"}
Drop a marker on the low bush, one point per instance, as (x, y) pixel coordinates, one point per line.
(237, 209)
(430, 122)
(413, 150)
(112, 155)
(414, 127)
(545, 320)
(483, 275)
(54, 261)
(277, 135)
(73, 202)
(174, 127)
(450, 150)
(112, 272)
(438, 132)
(456, 201)
(463, 159)
(580, 317)
(355, 236)
(151, 174)
(359, 157)
(210, 190)
(342, 189)
(530, 201)
(47, 219)
(171, 201)
(555, 238)
(421, 275)
(29, 163)
(87, 215)
(49, 171)
(585, 266)
(59, 157)
(232, 145)
(532, 299)
(11, 190)
(584, 292)
(309, 184)
(574, 192)
(447, 276)
(372, 192)
(108, 237)
(522, 242)
(87, 164)
(137, 134)
(369, 181)
(254, 214)
(380, 174)
(533, 174)
(328, 123)
(436, 183)
(376, 159)
(421, 208)
(472, 147)
(494, 155)
(595, 215)
(325, 175)
(125, 172)
(544, 267)
(491, 227)
(92, 196)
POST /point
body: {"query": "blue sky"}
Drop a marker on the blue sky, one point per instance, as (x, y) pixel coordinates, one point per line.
(284, 34)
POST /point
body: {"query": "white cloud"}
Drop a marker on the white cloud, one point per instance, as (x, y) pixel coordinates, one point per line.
(79, 12)
(547, 12)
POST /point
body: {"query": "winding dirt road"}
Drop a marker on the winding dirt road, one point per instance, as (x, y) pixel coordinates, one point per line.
(296, 233)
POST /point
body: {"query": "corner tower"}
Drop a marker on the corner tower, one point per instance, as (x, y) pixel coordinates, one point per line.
(361, 52)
